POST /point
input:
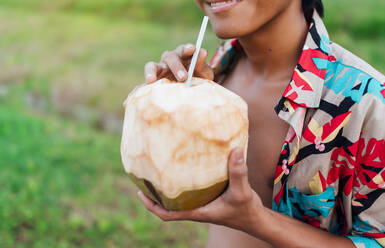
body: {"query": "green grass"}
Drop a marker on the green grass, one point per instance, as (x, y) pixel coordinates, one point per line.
(93, 59)
(171, 11)
(96, 58)
(92, 55)
(63, 185)
(67, 66)
(359, 27)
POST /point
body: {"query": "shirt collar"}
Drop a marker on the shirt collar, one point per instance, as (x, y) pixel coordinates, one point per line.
(306, 84)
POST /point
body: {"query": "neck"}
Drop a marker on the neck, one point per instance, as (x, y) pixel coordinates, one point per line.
(272, 52)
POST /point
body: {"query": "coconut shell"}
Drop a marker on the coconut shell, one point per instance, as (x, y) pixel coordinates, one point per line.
(176, 140)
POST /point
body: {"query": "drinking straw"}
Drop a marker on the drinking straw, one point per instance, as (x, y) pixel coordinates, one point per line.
(198, 47)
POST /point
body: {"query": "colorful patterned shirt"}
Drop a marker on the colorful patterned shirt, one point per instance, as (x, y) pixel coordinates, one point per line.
(331, 170)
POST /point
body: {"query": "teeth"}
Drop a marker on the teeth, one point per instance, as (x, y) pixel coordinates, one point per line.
(217, 4)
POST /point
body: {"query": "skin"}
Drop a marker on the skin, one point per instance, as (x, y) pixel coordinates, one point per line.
(272, 33)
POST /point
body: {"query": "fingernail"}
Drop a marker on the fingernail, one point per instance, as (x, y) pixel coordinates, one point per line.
(189, 46)
(148, 76)
(181, 74)
(239, 159)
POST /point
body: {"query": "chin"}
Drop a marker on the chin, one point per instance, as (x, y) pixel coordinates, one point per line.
(235, 23)
(242, 18)
(225, 34)
(231, 31)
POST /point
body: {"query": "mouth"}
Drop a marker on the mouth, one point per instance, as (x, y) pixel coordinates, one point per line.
(222, 5)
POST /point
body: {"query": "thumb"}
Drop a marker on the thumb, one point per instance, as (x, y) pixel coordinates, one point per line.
(202, 69)
(238, 179)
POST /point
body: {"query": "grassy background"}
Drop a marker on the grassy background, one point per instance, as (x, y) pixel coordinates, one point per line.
(66, 66)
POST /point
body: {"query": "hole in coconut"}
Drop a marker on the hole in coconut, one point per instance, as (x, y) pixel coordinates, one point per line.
(153, 191)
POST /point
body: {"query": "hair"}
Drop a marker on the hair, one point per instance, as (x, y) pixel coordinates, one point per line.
(308, 6)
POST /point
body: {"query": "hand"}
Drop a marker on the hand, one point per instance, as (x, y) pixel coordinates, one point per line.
(174, 65)
(238, 207)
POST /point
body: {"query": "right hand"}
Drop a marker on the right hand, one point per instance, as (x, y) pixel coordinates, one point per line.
(174, 65)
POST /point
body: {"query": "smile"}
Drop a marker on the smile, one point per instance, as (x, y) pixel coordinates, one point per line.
(220, 6)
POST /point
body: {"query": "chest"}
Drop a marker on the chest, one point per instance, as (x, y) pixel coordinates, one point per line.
(266, 132)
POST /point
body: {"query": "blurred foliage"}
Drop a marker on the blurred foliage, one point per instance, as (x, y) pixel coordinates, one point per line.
(62, 185)
(92, 52)
(360, 19)
(170, 11)
(66, 66)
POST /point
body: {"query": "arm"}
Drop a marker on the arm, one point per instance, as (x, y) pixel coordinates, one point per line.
(283, 231)
(241, 208)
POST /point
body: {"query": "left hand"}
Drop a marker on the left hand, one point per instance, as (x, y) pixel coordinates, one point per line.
(238, 207)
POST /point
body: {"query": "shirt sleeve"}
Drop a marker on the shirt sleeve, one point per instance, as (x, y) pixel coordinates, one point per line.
(368, 198)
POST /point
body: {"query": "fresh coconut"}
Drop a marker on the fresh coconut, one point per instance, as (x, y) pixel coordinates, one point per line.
(176, 140)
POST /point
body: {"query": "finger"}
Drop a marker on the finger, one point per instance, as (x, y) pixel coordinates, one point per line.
(151, 71)
(185, 51)
(207, 73)
(152, 206)
(201, 60)
(239, 186)
(166, 215)
(163, 70)
(202, 69)
(173, 61)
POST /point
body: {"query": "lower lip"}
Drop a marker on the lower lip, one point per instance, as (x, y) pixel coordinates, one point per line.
(224, 7)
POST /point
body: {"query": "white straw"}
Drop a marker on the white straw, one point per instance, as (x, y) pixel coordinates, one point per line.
(198, 47)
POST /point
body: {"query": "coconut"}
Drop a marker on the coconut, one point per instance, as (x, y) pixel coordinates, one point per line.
(176, 140)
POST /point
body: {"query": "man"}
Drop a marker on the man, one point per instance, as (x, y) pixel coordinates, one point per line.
(316, 157)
